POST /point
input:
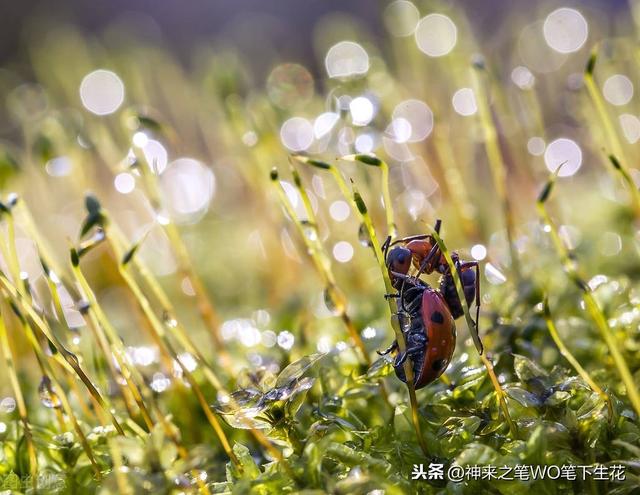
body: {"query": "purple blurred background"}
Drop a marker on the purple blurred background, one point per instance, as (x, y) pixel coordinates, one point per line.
(285, 26)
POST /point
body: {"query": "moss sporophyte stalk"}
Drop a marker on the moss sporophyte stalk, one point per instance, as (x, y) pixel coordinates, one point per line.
(403, 259)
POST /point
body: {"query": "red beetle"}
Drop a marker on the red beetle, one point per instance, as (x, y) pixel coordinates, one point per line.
(427, 315)
(429, 333)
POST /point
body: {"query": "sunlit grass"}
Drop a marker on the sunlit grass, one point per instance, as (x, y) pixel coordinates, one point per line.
(192, 274)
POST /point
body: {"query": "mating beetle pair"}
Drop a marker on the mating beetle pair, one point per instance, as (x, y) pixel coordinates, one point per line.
(427, 315)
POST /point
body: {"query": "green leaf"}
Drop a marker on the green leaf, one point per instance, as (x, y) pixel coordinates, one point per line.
(476, 453)
(297, 369)
(380, 368)
(526, 369)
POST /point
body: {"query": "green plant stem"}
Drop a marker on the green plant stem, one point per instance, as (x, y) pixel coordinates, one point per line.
(598, 102)
(566, 353)
(628, 180)
(118, 243)
(388, 203)
(9, 360)
(360, 208)
(497, 167)
(205, 307)
(616, 151)
(321, 261)
(591, 304)
(163, 342)
(166, 347)
(68, 358)
(393, 310)
(60, 392)
(475, 334)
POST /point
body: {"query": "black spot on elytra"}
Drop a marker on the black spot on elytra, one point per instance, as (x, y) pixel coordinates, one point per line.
(438, 364)
(437, 317)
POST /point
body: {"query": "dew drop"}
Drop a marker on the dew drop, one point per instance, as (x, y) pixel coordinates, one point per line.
(48, 396)
(363, 236)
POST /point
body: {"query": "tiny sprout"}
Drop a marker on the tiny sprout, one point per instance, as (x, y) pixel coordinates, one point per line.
(372, 160)
(92, 204)
(128, 256)
(615, 162)
(75, 259)
(94, 217)
(591, 63)
(582, 285)
(88, 245)
(310, 161)
(43, 148)
(296, 177)
(478, 61)
(149, 123)
(544, 195)
(16, 311)
(45, 267)
(362, 208)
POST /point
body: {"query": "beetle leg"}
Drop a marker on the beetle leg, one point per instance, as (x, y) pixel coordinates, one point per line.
(391, 348)
(391, 296)
(476, 266)
(385, 246)
(428, 258)
(402, 357)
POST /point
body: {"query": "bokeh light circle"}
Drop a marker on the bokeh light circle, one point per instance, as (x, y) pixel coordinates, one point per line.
(522, 77)
(124, 183)
(630, 127)
(535, 54)
(478, 252)
(296, 134)
(343, 251)
(618, 90)
(399, 130)
(536, 146)
(362, 110)
(290, 85)
(401, 18)
(464, 102)
(339, 210)
(346, 59)
(565, 30)
(188, 186)
(418, 116)
(324, 124)
(364, 143)
(565, 152)
(156, 155)
(436, 35)
(102, 92)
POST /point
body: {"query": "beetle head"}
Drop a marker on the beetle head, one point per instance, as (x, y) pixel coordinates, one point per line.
(398, 261)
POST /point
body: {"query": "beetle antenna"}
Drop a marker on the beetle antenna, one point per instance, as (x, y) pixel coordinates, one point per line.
(385, 247)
